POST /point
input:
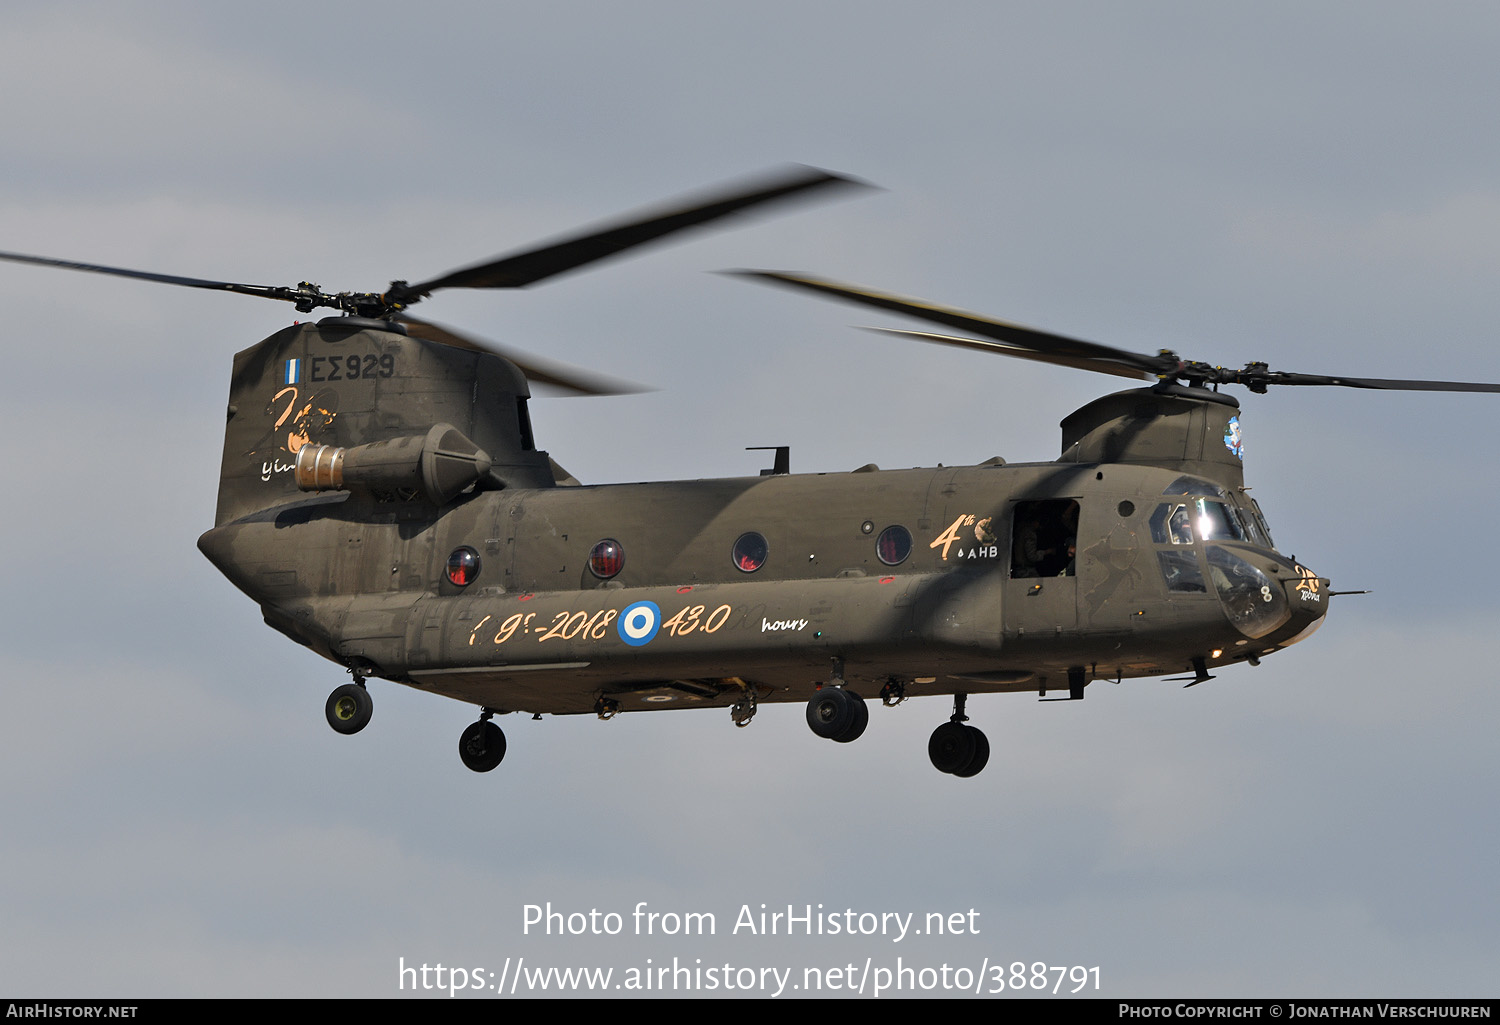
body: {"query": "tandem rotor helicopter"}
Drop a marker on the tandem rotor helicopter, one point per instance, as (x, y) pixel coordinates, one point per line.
(383, 501)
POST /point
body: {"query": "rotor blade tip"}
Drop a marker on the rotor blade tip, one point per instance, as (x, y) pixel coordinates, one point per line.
(836, 177)
(766, 275)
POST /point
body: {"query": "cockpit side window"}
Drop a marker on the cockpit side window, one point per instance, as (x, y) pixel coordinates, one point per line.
(1172, 524)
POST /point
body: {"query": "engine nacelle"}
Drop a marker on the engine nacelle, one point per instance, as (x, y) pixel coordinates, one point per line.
(439, 465)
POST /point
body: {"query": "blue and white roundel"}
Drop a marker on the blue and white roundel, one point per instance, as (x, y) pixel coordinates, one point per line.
(639, 623)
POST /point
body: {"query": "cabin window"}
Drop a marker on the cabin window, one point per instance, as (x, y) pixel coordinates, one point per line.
(463, 566)
(1044, 538)
(607, 559)
(750, 552)
(893, 545)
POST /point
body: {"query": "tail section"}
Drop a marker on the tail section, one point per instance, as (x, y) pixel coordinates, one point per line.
(346, 382)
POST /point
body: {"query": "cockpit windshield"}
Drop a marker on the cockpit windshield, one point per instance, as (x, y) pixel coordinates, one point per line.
(1198, 510)
(1206, 511)
(1253, 526)
(1215, 522)
(1197, 519)
(1260, 521)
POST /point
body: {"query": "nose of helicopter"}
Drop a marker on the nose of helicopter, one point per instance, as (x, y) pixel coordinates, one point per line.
(1307, 596)
(1263, 595)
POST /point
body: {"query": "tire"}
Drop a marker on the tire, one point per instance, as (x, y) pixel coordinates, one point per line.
(951, 747)
(349, 708)
(979, 759)
(861, 720)
(832, 711)
(481, 746)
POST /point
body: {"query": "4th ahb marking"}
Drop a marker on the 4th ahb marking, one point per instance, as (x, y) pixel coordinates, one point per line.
(896, 924)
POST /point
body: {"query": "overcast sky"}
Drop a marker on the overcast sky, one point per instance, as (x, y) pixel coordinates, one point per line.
(1313, 185)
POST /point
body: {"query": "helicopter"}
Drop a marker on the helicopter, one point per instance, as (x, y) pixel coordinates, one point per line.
(382, 500)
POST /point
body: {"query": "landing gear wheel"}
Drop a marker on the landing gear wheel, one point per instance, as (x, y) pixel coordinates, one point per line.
(953, 748)
(481, 746)
(349, 708)
(861, 720)
(837, 714)
(979, 759)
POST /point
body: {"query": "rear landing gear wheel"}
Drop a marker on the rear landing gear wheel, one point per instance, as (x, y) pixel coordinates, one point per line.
(349, 708)
(481, 746)
(861, 720)
(979, 759)
(958, 750)
(837, 714)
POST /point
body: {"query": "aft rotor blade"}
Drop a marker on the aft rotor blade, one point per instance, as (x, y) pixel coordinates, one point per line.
(1077, 362)
(1016, 336)
(533, 265)
(265, 291)
(537, 369)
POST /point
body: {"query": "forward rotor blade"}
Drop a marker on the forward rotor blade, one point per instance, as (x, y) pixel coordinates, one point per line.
(1380, 383)
(265, 291)
(533, 265)
(1015, 336)
(1045, 347)
(1077, 362)
(536, 369)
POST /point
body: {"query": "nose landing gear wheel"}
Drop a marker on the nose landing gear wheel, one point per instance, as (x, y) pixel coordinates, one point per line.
(481, 746)
(349, 708)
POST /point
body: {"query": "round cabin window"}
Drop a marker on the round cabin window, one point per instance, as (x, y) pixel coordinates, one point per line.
(893, 545)
(607, 559)
(750, 552)
(463, 566)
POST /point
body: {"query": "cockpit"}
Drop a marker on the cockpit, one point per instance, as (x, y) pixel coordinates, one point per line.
(1196, 511)
(1205, 511)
